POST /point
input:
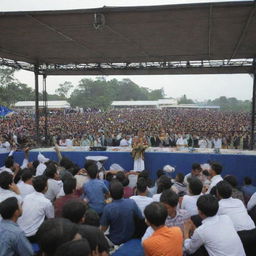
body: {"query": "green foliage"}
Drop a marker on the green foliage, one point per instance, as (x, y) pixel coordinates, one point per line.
(185, 100)
(231, 104)
(64, 89)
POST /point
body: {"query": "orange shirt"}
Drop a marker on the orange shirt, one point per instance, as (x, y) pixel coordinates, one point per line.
(165, 241)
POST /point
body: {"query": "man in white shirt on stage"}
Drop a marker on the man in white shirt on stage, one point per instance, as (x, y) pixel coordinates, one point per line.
(124, 142)
(217, 142)
(181, 142)
(217, 233)
(35, 209)
(232, 207)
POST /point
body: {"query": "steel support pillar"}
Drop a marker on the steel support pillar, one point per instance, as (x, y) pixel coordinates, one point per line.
(45, 111)
(36, 72)
(253, 107)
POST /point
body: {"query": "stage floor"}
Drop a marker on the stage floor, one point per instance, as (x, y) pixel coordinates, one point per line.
(237, 164)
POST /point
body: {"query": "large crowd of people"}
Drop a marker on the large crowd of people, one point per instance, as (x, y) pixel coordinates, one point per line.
(162, 127)
(59, 209)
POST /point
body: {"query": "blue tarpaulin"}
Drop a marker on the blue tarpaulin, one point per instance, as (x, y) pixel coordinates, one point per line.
(4, 111)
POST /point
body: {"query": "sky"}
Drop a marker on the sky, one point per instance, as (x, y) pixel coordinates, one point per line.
(197, 87)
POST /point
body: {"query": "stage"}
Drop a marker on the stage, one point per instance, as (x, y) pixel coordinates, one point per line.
(239, 165)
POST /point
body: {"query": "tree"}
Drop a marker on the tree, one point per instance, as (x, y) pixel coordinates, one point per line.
(64, 89)
(156, 94)
(184, 100)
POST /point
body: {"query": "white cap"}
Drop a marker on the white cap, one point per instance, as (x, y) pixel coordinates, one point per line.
(168, 168)
(42, 159)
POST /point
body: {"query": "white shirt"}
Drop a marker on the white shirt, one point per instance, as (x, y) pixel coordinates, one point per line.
(35, 208)
(218, 236)
(189, 204)
(25, 189)
(214, 181)
(156, 197)
(6, 193)
(54, 187)
(124, 143)
(40, 169)
(5, 169)
(142, 202)
(181, 142)
(202, 143)
(69, 142)
(237, 212)
(252, 202)
(217, 143)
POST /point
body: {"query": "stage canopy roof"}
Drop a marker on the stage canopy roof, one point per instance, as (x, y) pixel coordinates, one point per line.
(188, 38)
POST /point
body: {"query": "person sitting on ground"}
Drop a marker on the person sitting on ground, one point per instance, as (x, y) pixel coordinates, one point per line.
(54, 184)
(217, 232)
(91, 218)
(232, 207)
(8, 188)
(195, 172)
(120, 176)
(163, 183)
(69, 186)
(74, 248)
(35, 209)
(55, 232)
(12, 238)
(75, 211)
(25, 186)
(95, 191)
(179, 185)
(141, 199)
(176, 217)
(236, 193)
(164, 240)
(248, 189)
(188, 203)
(215, 171)
(119, 216)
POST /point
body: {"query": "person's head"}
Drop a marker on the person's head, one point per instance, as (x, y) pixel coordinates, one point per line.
(74, 210)
(159, 173)
(91, 218)
(40, 183)
(55, 232)
(109, 176)
(27, 175)
(116, 190)
(195, 186)
(155, 214)
(141, 186)
(51, 171)
(196, 169)
(231, 180)
(74, 248)
(163, 183)
(215, 169)
(35, 164)
(66, 163)
(6, 179)
(170, 200)
(10, 209)
(207, 205)
(120, 176)
(92, 171)
(88, 163)
(223, 190)
(247, 180)
(9, 162)
(179, 177)
(69, 185)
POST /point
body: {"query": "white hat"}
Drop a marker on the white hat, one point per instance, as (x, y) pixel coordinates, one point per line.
(116, 167)
(205, 167)
(168, 168)
(42, 159)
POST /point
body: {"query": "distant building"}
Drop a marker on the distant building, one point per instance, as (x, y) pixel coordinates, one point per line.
(159, 104)
(51, 104)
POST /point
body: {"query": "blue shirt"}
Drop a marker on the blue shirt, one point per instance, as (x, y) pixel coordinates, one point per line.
(119, 216)
(95, 191)
(248, 190)
(13, 241)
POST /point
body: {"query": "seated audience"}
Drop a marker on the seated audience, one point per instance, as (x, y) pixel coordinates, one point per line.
(215, 171)
(12, 238)
(217, 232)
(128, 192)
(236, 193)
(25, 186)
(232, 207)
(35, 209)
(179, 185)
(248, 189)
(164, 240)
(176, 217)
(95, 190)
(8, 188)
(141, 199)
(119, 215)
(163, 183)
(188, 203)
(69, 187)
(195, 172)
